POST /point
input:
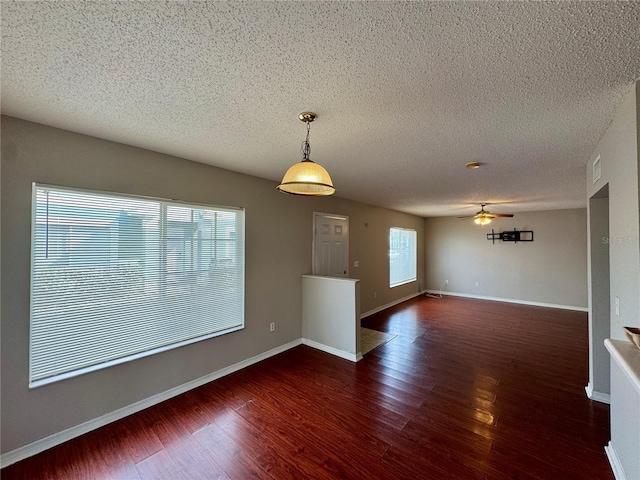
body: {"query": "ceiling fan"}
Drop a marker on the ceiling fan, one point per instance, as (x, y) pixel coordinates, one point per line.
(484, 217)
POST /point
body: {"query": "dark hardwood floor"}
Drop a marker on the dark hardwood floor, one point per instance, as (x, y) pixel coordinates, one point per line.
(468, 389)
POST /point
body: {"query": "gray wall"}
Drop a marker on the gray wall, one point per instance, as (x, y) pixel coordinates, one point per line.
(278, 253)
(618, 149)
(550, 270)
(620, 184)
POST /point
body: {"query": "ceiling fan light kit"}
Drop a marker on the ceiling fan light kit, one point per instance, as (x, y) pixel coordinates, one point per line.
(307, 177)
(482, 220)
(484, 217)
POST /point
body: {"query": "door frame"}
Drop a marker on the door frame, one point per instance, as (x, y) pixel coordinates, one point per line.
(600, 296)
(335, 216)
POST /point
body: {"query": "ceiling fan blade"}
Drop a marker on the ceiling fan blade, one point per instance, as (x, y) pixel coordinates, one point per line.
(466, 218)
(502, 214)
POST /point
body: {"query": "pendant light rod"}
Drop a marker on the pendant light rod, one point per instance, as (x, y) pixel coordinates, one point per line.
(307, 117)
(307, 177)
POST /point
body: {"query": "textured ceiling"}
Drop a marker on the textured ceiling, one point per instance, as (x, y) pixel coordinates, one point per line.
(406, 93)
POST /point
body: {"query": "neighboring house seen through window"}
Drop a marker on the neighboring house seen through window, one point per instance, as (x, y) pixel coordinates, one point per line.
(117, 277)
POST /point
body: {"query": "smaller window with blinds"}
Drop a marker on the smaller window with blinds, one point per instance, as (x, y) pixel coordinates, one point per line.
(402, 256)
(117, 277)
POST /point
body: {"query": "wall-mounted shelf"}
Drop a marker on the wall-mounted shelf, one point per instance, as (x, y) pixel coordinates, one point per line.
(514, 236)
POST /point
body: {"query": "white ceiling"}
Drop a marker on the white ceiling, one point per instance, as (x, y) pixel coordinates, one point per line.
(406, 93)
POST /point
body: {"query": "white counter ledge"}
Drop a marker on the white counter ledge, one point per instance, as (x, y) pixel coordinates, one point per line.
(623, 450)
(627, 356)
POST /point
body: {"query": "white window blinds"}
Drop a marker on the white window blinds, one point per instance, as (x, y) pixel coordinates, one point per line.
(117, 277)
(402, 256)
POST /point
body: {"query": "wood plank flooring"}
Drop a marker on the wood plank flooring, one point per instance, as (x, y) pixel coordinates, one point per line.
(468, 389)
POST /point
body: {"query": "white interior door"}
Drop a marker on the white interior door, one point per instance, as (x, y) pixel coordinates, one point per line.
(330, 245)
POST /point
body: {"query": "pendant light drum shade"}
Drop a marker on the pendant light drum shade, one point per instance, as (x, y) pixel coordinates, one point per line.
(307, 177)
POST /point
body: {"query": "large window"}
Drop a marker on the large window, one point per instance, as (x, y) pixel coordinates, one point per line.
(117, 277)
(402, 256)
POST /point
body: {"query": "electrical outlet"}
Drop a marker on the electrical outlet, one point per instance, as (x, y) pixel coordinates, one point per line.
(356, 263)
(446, 282)
(375, 295)
(477, 284)
(617, 306)
(272, 327)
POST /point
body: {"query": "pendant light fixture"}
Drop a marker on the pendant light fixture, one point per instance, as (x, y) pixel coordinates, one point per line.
(307, 177)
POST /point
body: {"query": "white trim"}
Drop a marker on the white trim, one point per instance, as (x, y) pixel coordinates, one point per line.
(614, 461)
(332, 279)
(513, 300)
(597, 396)
(388, 305)
(333, 351)
(43, 444)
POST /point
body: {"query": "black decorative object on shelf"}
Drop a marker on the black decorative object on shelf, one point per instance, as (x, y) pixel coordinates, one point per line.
(515, 236)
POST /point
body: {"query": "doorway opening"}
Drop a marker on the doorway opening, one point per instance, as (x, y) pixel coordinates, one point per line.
(600, 314)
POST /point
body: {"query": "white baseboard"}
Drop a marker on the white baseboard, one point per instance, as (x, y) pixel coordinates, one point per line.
(511, 300)
(614, 461)
(388, 305)
(597, 396)
(333, 351)
(57, 438)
